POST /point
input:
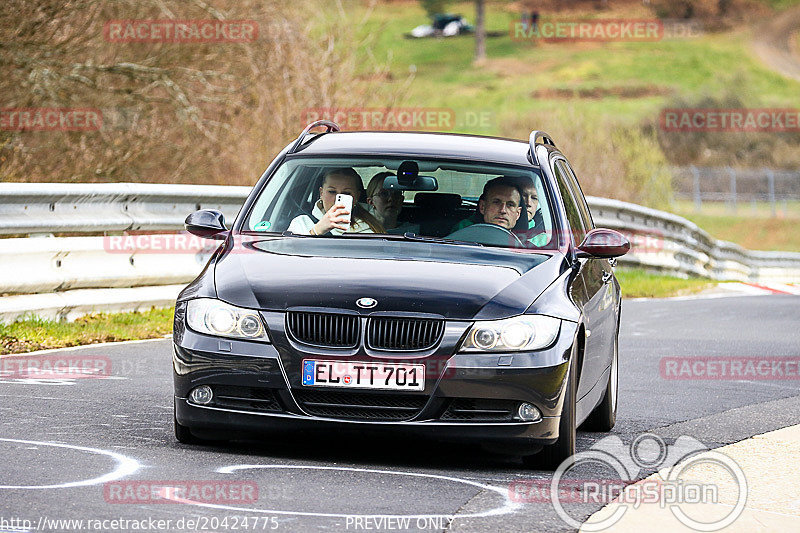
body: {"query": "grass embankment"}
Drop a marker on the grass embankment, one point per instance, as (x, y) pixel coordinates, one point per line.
(37, 334)
(615, 81)
(751, 226)
(637, 283)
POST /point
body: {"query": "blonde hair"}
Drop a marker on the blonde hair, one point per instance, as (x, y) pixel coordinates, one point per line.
(359, 213)
(376, 183)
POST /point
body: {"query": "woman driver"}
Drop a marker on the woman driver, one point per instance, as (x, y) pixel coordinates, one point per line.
(327, 216)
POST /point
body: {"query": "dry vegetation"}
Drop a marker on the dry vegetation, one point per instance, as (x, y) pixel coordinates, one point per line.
(722, 149)
(172, 112)
(612, 160)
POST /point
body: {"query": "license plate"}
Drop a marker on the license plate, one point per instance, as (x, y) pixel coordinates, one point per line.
(362, 375)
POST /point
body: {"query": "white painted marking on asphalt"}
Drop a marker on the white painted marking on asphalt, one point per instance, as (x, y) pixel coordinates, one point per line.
(508, 506)
(125, 466)
(82, 347)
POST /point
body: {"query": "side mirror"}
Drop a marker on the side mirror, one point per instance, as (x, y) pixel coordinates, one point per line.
(603, 242)
(207, 223)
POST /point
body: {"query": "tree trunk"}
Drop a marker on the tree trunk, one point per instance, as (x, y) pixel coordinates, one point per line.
(480, 31)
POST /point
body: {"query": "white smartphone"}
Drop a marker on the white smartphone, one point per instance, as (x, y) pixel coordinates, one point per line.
(347, 201)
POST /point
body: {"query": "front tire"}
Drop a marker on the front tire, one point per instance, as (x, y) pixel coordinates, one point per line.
(604, 415)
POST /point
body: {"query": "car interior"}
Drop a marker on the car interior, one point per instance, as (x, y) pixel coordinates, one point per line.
(436, 213)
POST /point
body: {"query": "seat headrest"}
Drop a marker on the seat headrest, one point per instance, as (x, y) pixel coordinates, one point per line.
(438, 200)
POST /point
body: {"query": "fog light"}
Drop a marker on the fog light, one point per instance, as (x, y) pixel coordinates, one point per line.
(527, 413)
(203, 395)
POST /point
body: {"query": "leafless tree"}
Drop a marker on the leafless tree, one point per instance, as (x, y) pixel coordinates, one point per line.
(480, 31)
(210, 112)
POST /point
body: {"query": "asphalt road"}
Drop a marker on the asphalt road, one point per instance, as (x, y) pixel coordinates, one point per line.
(83, 434)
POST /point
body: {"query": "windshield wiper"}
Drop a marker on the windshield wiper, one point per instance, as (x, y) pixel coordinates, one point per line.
(408, 237)
(414, 237)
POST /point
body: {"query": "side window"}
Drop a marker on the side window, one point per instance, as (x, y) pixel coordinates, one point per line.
(579, 198)
(576, 223)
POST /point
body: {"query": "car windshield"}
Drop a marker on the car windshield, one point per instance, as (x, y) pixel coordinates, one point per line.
(413, 199)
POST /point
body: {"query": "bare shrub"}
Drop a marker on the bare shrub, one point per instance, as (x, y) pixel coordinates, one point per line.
(610, 159)
(172, 112)
(721, 148)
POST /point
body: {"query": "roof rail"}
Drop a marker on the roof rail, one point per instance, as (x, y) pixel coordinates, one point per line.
(546, 139)
(330, 126)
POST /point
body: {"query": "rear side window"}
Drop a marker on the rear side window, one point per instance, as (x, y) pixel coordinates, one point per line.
(583, 207)
(577, 227)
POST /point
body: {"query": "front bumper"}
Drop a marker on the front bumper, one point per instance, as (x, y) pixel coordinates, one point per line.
(273, 391)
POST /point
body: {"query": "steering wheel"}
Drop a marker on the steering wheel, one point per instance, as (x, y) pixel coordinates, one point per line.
(490, 234)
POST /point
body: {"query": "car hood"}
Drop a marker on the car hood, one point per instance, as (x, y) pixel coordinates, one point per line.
(453, 281)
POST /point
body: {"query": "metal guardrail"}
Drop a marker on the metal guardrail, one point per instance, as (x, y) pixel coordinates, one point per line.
(31, 208)
(69, 266)
(671, 244)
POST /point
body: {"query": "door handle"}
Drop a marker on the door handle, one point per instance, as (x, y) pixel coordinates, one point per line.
(607, 276)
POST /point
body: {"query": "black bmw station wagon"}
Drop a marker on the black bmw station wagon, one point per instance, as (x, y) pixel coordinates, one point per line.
(450, 285)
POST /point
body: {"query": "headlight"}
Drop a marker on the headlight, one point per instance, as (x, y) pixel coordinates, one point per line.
(206, 315)
(517, 334)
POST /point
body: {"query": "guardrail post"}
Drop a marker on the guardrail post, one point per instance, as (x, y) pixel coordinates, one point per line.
(698, 203)
(771, 186)
(732, 173)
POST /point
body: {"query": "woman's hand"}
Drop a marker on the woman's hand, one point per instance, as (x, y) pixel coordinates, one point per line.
(336, 217)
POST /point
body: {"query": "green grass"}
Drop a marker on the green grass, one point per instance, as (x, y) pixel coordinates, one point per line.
(752, 226)
(636, 283)
(37, 334)
(783, 4)
(446, 77)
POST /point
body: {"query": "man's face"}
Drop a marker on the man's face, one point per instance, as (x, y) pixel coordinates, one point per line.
(501, 206)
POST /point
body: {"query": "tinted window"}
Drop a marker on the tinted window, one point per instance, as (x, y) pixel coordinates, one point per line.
(570, 206)
(579, 198)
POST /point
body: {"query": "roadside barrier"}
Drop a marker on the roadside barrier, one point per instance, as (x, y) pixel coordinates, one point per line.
(60, 277)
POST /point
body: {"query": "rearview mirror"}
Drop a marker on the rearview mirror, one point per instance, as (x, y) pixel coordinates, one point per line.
(207, 223)
(601, 242)
(419, 183)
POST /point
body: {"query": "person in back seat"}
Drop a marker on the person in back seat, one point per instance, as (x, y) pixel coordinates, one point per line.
(530, 197)
(386, 205)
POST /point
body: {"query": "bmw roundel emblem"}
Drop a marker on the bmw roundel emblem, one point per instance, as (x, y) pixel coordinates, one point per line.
(366, 303)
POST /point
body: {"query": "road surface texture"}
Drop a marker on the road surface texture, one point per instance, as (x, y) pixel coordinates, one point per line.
(66, 445)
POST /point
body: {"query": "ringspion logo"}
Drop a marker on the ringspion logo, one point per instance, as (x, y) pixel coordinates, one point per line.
(180, 31)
